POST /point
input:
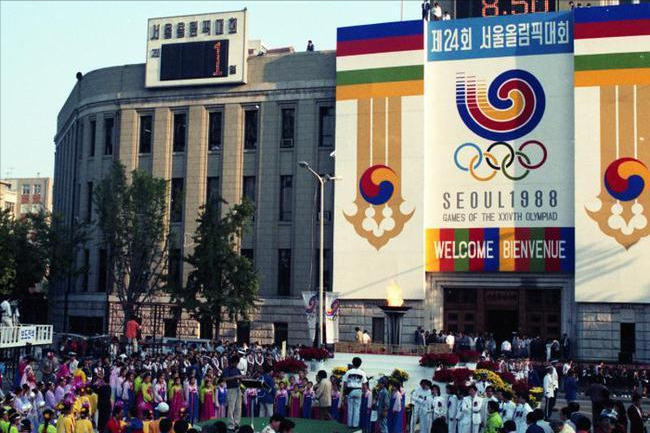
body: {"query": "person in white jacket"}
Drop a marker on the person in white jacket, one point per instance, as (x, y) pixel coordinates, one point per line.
(506, 406)
(521, 412)
(422, 401)
(470, 410)
(452, 409)
(439, 405)
(489, 396)
(549, 393)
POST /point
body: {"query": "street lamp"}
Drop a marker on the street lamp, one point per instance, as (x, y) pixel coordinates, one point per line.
(322, 180)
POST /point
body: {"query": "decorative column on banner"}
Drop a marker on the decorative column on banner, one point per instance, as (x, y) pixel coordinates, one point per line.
(332, 305)
(311, 312)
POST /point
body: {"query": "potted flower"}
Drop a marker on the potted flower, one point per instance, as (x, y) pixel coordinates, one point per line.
(339, 371)
(290, 365)
(438, 360)
(400, 375)
(469, 358)
(315, 356)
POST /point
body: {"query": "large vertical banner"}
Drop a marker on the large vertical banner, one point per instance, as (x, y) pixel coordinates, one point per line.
(612, 136)
(379, 154)
(499, 144)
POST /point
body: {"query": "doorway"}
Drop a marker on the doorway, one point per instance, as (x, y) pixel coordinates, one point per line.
(502, 323)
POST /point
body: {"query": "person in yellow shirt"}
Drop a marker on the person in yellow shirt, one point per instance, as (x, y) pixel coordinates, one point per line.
(83, 424)
(46, 426)
(93, 398)
(146, 421)
(65, 423)
(14, 421)
(4, 420)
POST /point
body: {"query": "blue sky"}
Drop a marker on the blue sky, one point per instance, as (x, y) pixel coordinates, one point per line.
(43, 44)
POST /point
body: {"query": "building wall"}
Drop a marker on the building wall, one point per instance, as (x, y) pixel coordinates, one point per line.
(303, 81)
(28, 197)
(8, 197)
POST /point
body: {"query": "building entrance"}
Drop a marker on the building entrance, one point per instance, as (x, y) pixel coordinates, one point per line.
(527, 311)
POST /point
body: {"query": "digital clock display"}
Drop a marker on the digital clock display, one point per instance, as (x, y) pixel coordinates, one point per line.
(493, 8)
(184, 61)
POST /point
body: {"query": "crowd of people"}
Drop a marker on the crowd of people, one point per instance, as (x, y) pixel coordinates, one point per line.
(136, 391)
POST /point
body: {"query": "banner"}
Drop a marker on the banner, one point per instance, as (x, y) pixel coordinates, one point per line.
(612, 156)
(27, 334)
(311, 311)
(332, 317)
(499, 144)
(379, 156)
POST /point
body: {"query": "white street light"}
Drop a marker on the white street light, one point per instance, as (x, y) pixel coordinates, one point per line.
(321, 180)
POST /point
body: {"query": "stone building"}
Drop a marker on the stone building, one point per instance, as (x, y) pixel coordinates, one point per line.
(228, 140)
(33, 194)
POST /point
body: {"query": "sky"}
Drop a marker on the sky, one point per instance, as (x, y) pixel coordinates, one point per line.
(44, 43)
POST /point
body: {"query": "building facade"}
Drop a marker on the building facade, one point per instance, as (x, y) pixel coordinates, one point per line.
(33, 194)
(225, 140)
(8, 197)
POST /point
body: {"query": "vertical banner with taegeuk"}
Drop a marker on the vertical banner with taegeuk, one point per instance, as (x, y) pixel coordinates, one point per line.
(332, 307)
(612, 157)
(379, 157)
(310, 300)
(499, 144)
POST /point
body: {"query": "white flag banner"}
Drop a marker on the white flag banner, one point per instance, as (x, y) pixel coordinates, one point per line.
(311, 311)
(332, 317)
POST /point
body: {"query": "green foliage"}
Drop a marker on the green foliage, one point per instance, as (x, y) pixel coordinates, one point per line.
(223, 283)
(36, 247)
(131, 218)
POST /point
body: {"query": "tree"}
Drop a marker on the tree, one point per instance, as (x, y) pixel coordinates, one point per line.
(7, 252)
(59, 243)
(132, 221)
(223, 283)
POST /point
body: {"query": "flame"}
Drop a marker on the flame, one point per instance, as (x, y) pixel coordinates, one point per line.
(394, 295)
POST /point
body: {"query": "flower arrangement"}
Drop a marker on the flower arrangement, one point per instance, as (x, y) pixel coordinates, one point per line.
(401, 375)
(493, 378)
(339, 371)
(520, 387)
(290, 365)
(507, 377)
(535, 395)
(313, 353)
(457, 375)
(488, 365)
(469, 356)
(439, 360)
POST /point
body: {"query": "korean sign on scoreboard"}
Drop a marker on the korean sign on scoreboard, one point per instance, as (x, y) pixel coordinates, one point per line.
(499, 144)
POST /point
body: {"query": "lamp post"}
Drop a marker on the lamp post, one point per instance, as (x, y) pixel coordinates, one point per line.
(321, 180)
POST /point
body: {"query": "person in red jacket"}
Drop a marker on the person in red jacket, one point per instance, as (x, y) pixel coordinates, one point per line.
(114, 425)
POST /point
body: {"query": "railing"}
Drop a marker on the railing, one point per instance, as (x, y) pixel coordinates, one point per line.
(389, 349)
(22, 335)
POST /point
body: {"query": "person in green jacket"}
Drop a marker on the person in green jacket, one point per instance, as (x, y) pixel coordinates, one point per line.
(494, 422)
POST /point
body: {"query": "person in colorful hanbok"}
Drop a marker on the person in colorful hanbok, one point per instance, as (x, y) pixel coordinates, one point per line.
(295, 401)
(281, 398)
(192, 399)
(307, 400)
(208, 401)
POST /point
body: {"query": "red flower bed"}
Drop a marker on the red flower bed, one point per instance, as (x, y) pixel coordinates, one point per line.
(457, 375)
(439, 360)
(488, 365)
(289, 365)
(469, 356)
(520, 386)
(507, 377)
(313, 353)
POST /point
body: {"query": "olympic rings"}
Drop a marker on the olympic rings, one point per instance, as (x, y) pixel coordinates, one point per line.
(523, 159)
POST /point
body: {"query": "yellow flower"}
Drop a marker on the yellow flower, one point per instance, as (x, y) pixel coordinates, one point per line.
(494, 379)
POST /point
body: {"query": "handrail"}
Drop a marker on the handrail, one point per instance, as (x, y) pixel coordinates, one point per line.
(22, 335)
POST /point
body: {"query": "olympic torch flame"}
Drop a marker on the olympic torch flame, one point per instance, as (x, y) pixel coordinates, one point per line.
(394, 295)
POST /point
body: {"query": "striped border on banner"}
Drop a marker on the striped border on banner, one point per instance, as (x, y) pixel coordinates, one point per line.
(380, 60)
(504, 249)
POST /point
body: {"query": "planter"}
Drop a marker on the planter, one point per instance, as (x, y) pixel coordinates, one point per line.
(315, 366)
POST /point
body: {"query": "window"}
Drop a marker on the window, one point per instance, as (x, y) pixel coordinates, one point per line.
(170, 326)
(250, 129)
(280, 333)
(205, 329)
(103, 271)
(377, 329)
(145, 133)
(284, 272)
(86, 270)
(286, 197)
(628, 337)
(93, 136)
(174, 272)
(37, 189)
(109, 126)
(243, 332)
(326, 126)
(215, 131)
(89, 202)
(176, 202)
(180, 131)
(213, 190)
(288, 127)
(249, 253)
(26, 189)
(249, 188)
(327, 266)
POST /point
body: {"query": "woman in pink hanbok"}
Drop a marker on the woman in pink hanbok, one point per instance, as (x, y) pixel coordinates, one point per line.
(177, 401)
